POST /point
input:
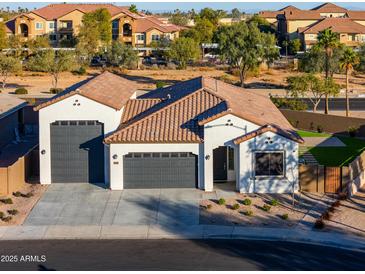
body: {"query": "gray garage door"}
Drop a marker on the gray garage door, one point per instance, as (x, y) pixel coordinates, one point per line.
(77, 151)
(160, 170)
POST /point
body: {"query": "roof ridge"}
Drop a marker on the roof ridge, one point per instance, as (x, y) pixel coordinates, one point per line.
(157, 112)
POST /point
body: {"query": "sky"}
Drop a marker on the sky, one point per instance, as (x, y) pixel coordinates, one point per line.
(248, 7)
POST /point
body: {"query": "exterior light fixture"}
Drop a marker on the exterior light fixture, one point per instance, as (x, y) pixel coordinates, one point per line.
(207, 157)
(43, 151)
(115, 156)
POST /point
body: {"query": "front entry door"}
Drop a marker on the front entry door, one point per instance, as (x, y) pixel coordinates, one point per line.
(220, 164)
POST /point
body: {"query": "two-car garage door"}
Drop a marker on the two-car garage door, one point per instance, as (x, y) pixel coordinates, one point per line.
(160, 170)
(77, 152)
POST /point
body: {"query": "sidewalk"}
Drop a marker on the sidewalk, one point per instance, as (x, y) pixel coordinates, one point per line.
(339, 240)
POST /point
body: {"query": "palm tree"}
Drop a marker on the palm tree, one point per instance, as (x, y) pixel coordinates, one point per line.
(347, 62)
(328, 41)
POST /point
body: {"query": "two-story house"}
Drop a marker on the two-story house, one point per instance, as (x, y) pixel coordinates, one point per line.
(62, 22)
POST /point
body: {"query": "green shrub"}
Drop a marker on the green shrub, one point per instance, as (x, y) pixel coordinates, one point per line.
(160, 84)
(209, 206)
(249, 213)
(13, 211)
(2, 214)
(274, 202)
(247, 202)
(352, 131)
(7, 201)
(27, 195)
(319, 129)
(17, 194)
(55, 90)
(7, 218)
(285, 216)
(266, 208)
(236, 206)
(221, 201)
(21, 91)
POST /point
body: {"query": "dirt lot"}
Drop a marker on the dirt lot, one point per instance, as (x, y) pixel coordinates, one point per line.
(22, 204)
(269, 81)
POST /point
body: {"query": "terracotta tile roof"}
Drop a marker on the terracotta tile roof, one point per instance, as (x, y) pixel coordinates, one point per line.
(273, 14)
(356, 15)
(291, 135)
(329, 8)
(54, 11)
(301, 15)
(175, 123)
(186, 106)
(340, 25)
(106, 88)
(144, 24)
(290, 7)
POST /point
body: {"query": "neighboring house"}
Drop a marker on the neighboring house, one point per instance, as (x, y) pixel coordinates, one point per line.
(291, 21)
(61, 22)
(192, 134)
(351, 34)
(18, 139)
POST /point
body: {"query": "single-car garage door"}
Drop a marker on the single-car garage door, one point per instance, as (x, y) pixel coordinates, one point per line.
(160, 170)
(77, 151)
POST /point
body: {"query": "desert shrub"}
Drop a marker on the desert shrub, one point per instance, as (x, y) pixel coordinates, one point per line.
(266, 208)
(274, 202)
(55, 90)
(247, 202)
(17, 194)
(27, 195)
(285, 216)
(236, 206)
(221, 201)
(2, 214)
(292, 104)
(319, 224)
(160, 84)
(154, 67)
(249, 213)
(7, 218)
(209, 206)
(21, 91)
(319, 129)
(7, 201)
(13, 211)
(80, 71)
(171, 66)
(352, 131)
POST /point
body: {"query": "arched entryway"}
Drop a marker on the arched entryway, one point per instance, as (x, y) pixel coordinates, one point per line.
(24, 30)
(127, 30)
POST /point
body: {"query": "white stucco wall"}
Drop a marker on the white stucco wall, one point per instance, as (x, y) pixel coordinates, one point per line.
(66, 110)
(217, 133)
(116, 165)
(247, 181)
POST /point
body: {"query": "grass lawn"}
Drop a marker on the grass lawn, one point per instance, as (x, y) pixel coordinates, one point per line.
(304, 133)
(339, 156)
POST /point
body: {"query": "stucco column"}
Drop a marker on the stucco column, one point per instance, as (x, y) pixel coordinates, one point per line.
(208, 169)
(116, 168)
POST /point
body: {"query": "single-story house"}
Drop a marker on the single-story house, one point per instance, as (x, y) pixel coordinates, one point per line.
(189, 135)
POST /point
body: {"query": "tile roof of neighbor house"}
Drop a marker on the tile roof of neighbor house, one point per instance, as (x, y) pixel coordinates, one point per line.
(54, 11)
(106, 88)
(268, 128)
(329, 7)
(144, 24)
(186, 106)
(301, 15)
(356, 14)
(273, 14)
(9, 104)
(339, 25)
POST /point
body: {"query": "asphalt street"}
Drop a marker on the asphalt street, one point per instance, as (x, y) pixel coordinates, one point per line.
(174, 255)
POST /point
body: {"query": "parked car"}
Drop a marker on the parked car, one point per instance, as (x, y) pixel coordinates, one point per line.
(98, 62)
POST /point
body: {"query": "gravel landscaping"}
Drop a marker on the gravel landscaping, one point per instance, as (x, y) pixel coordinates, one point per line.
(16, 207)
(271, 210)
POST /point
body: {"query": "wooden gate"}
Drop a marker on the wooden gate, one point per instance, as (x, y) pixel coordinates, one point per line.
(332, 179)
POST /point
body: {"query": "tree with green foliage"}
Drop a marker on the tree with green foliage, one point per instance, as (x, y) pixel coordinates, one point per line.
(262, 23)
(328, 41)
(3, 37)
(178, 18)
(202, 32)
(16, 45)
(285, 44)
(235, 13)
(271, 51)
(8, 65)
(52, 62)
(39, 42)
(347, 62)
(243, 46)
(121, 55)
(212, 15)
(133, 8)
(295, 45)
(183, 50)
(95, 31)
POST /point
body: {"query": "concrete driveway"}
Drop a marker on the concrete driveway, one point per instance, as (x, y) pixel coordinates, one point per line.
(87, 204)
